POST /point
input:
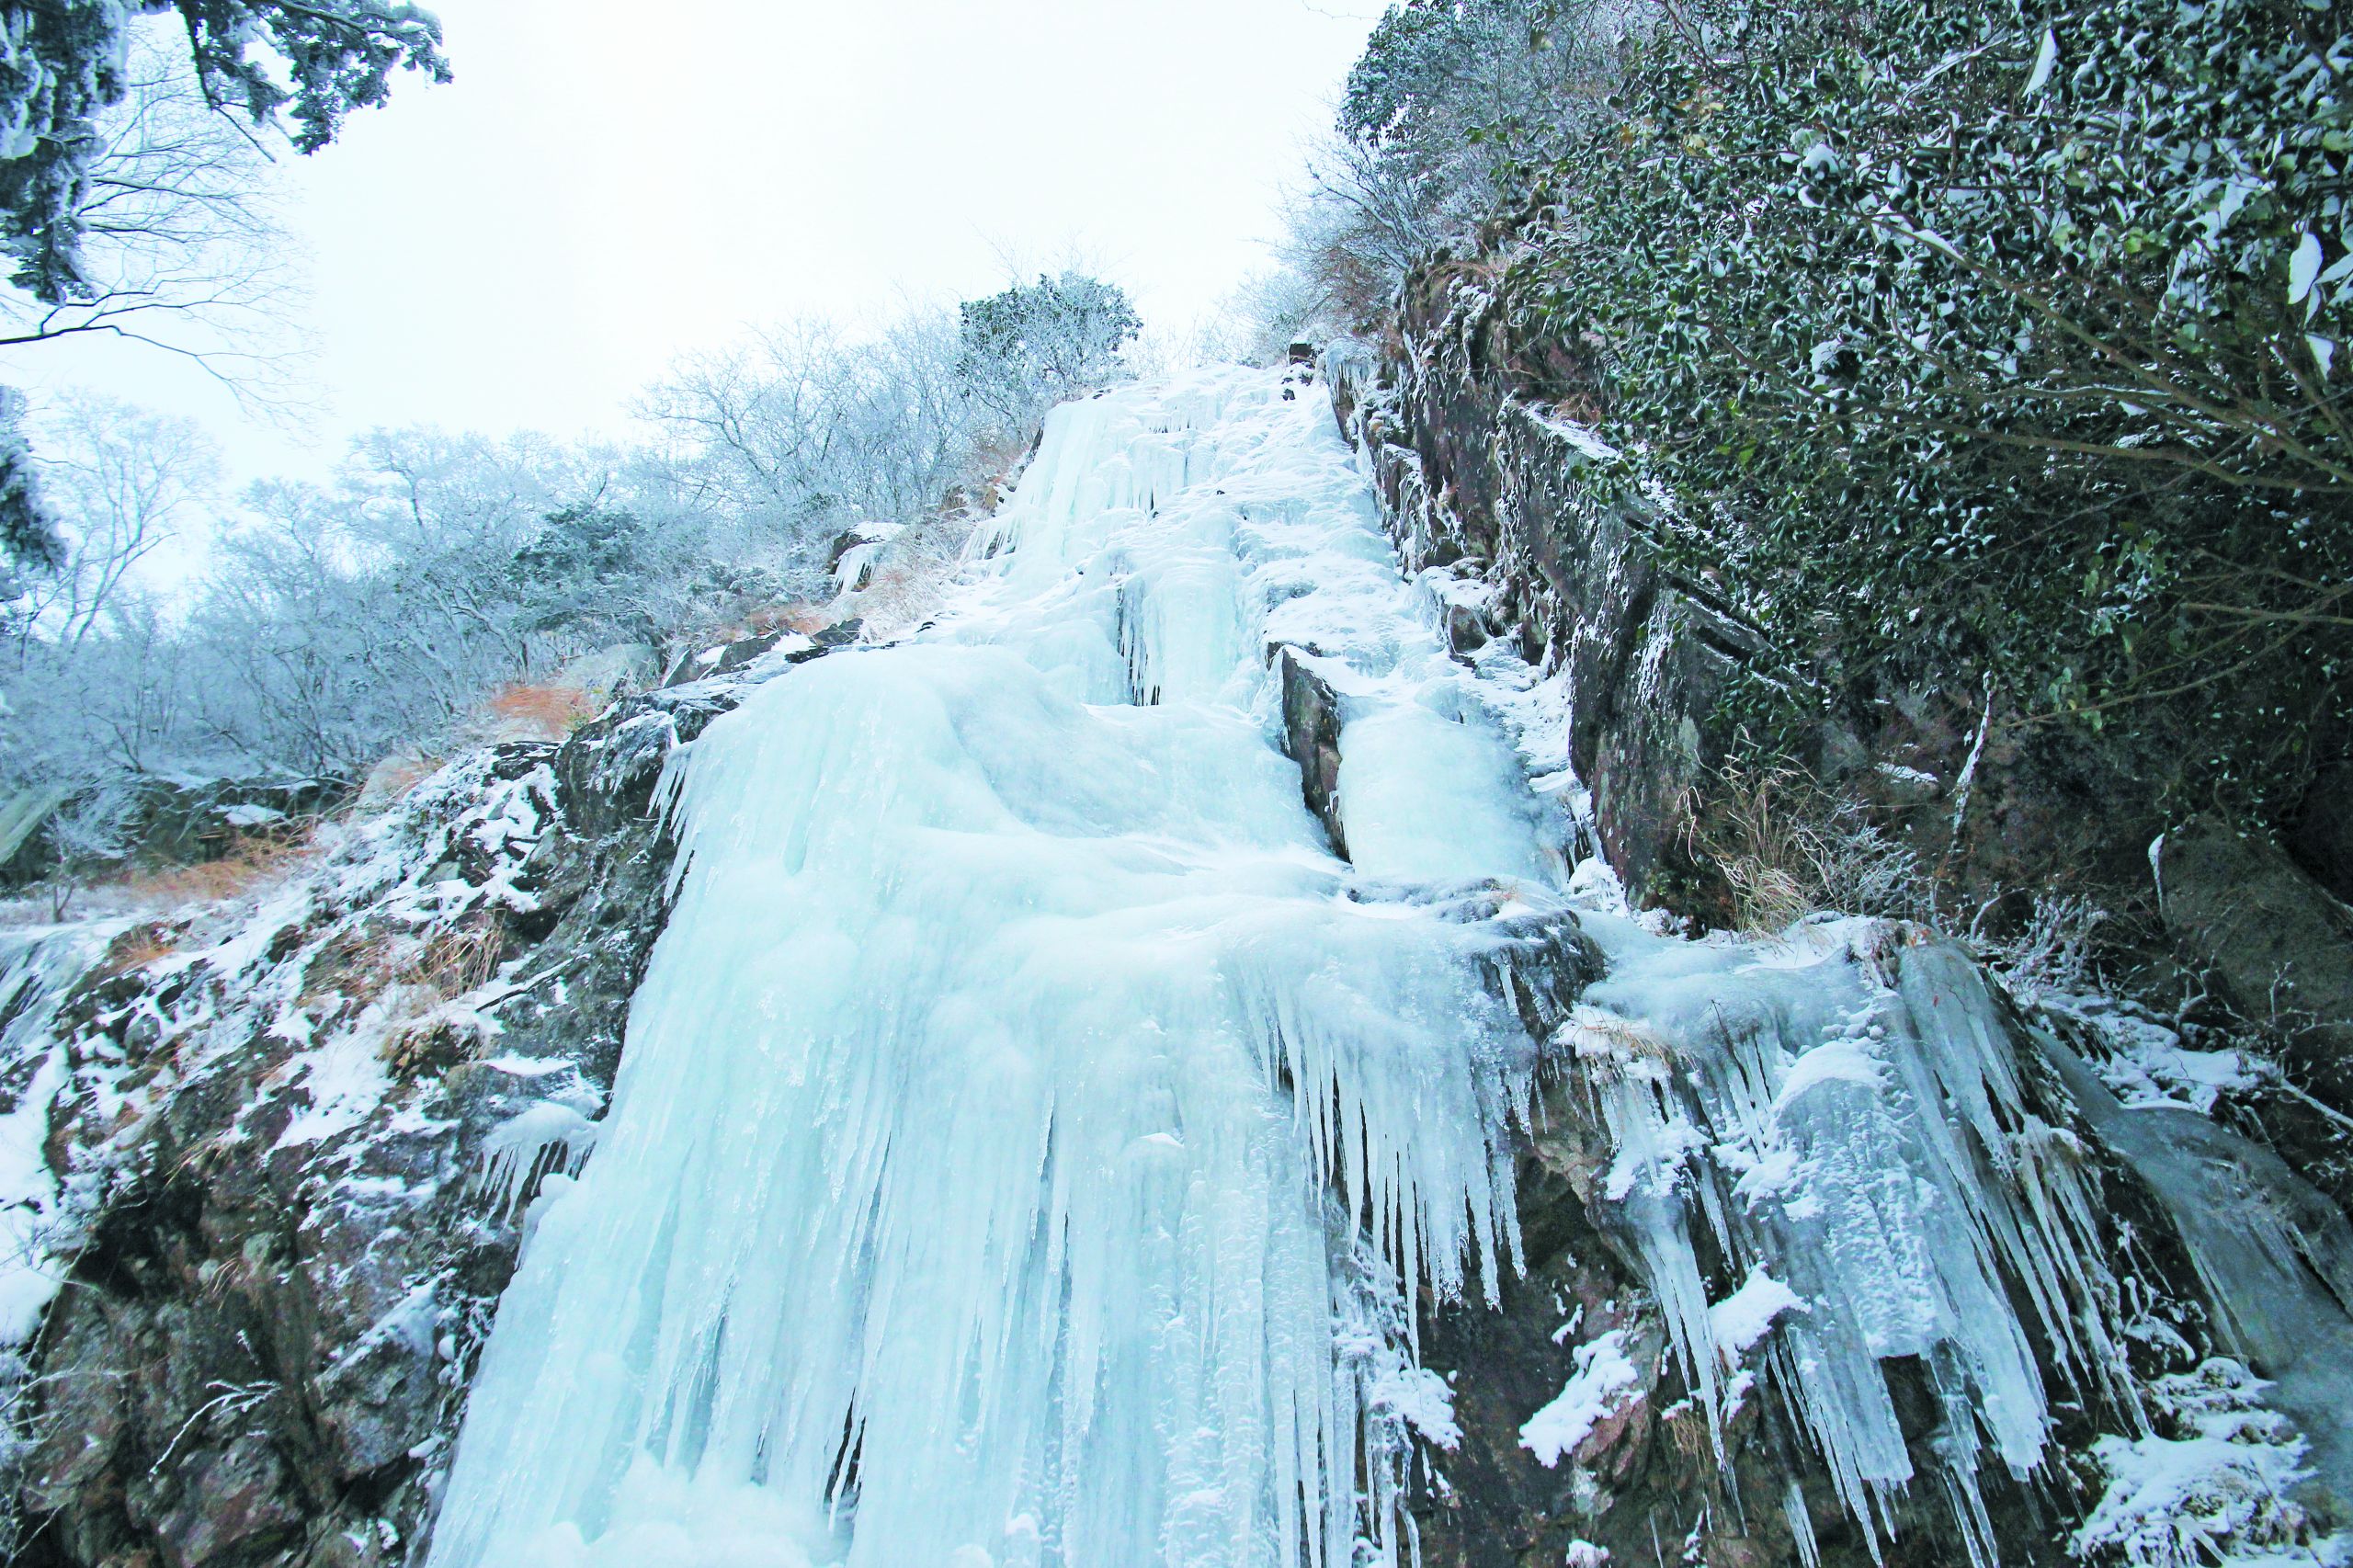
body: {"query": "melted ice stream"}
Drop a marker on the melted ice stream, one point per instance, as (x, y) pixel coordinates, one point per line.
(1027, 1121)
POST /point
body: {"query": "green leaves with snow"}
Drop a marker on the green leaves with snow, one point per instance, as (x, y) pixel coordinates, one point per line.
(1987, 334)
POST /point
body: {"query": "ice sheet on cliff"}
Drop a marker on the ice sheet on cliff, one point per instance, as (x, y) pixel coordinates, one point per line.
(1032, 1137)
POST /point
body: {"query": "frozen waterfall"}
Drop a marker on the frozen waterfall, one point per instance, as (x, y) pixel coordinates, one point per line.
(962, 1198)
(1032, 1138)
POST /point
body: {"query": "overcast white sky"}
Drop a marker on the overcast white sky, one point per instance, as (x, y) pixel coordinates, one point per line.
(608, 182)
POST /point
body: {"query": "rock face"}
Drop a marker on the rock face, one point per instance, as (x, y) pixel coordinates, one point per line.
(1490, 493)
(1490, 485)
(1485, 491)
(1312, 733)
(300, 1151)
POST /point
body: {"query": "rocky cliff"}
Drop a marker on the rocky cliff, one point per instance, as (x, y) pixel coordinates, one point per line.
(2007, 829)
(294, 1148)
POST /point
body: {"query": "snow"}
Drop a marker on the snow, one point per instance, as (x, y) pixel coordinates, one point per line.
(2304, 267)
(29, 1191)
(2046, 59)
(2220, 1493)
(344, 1079)
(38, 968)
(1420, 1398)
(1604, 1384)
(1743, 1318)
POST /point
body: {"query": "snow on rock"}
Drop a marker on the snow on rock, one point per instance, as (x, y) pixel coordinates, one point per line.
(1604, 1384)
(2221, 1491)
(1743, 1318)
(37, 968)
(245, 1130)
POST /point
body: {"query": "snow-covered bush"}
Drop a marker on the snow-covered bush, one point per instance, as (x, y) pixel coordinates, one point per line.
(1021, 351)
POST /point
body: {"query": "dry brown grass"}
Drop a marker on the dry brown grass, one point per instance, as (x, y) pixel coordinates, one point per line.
(806, 619)
(1788, 846)
(544, 712)
(254, 860)
(397, 774)
(139, 947)
(464, 957)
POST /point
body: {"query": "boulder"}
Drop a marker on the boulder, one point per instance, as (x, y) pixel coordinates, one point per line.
(1312, 722)
(2276, 942)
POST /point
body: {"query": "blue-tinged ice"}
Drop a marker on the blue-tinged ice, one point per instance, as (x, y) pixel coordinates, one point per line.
(964, 1198)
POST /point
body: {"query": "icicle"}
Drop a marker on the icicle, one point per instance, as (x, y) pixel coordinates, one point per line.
(963, 1193)
(1844, 1105)
(1801, 1519)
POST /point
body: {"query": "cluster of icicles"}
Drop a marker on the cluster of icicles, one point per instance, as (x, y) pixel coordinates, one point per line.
(1031, 1136)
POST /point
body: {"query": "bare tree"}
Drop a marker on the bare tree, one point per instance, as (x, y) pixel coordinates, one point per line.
(122, 481)
(799, 431)
(182, 248)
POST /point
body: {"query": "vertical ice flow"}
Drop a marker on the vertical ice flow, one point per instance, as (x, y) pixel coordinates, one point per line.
(1031, 1140)
(963, 1198)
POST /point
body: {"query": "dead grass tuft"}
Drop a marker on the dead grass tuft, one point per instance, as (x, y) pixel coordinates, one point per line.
(806, 619)
(395, 776)
(1787, 847)
(548, 712)
(254, 861)
(464, 957)
(139, 947)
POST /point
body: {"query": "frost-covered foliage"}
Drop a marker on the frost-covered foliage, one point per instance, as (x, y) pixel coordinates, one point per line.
(339, 623)
(29, 539)
(335, 621)
(1975, 337)
(63, 66)
(179, 244)
(1026, 349)
(1442, 116)
(1453, 99)
(175, 247)
(1789, 848)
